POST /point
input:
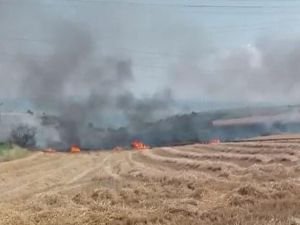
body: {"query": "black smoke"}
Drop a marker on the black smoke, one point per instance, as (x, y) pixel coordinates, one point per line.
(64, 60)
(81, 89)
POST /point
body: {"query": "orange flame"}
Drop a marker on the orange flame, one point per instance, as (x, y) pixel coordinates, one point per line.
(138, 145)
(74, 149)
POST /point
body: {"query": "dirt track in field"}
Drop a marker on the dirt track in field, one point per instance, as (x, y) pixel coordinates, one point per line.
(234, 183)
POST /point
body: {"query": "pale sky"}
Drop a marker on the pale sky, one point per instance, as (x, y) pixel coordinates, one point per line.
(155, 35)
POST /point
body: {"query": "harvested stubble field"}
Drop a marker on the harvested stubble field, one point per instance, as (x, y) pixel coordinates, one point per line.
(225, 184)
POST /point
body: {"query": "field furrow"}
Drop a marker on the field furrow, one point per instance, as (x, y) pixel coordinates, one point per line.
(234, 183)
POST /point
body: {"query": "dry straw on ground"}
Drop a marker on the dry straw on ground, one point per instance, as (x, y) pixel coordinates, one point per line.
(225, 184)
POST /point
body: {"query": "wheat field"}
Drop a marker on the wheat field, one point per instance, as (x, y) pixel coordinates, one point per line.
(245, 183)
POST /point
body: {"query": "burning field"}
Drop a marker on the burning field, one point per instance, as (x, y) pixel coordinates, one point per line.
(223, 183)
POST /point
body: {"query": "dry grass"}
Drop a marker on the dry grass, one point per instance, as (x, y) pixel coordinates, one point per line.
(8, 152)
(226, 184)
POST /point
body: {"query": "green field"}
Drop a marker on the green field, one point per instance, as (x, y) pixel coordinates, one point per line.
(10, 152)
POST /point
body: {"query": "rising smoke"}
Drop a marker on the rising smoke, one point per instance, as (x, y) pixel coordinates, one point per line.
(89, 91)
(82, 91)
(266, 71)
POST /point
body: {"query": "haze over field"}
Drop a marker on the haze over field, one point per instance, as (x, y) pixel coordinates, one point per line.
(157, 112)
(85, 61)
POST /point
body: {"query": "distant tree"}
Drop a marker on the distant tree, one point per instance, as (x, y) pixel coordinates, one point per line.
(23, 136)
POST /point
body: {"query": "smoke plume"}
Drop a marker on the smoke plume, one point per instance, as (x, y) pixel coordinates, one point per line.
(81, 85)
(81, 91)
(266, 71)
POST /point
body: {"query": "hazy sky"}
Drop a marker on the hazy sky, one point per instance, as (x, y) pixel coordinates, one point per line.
(157, 36)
